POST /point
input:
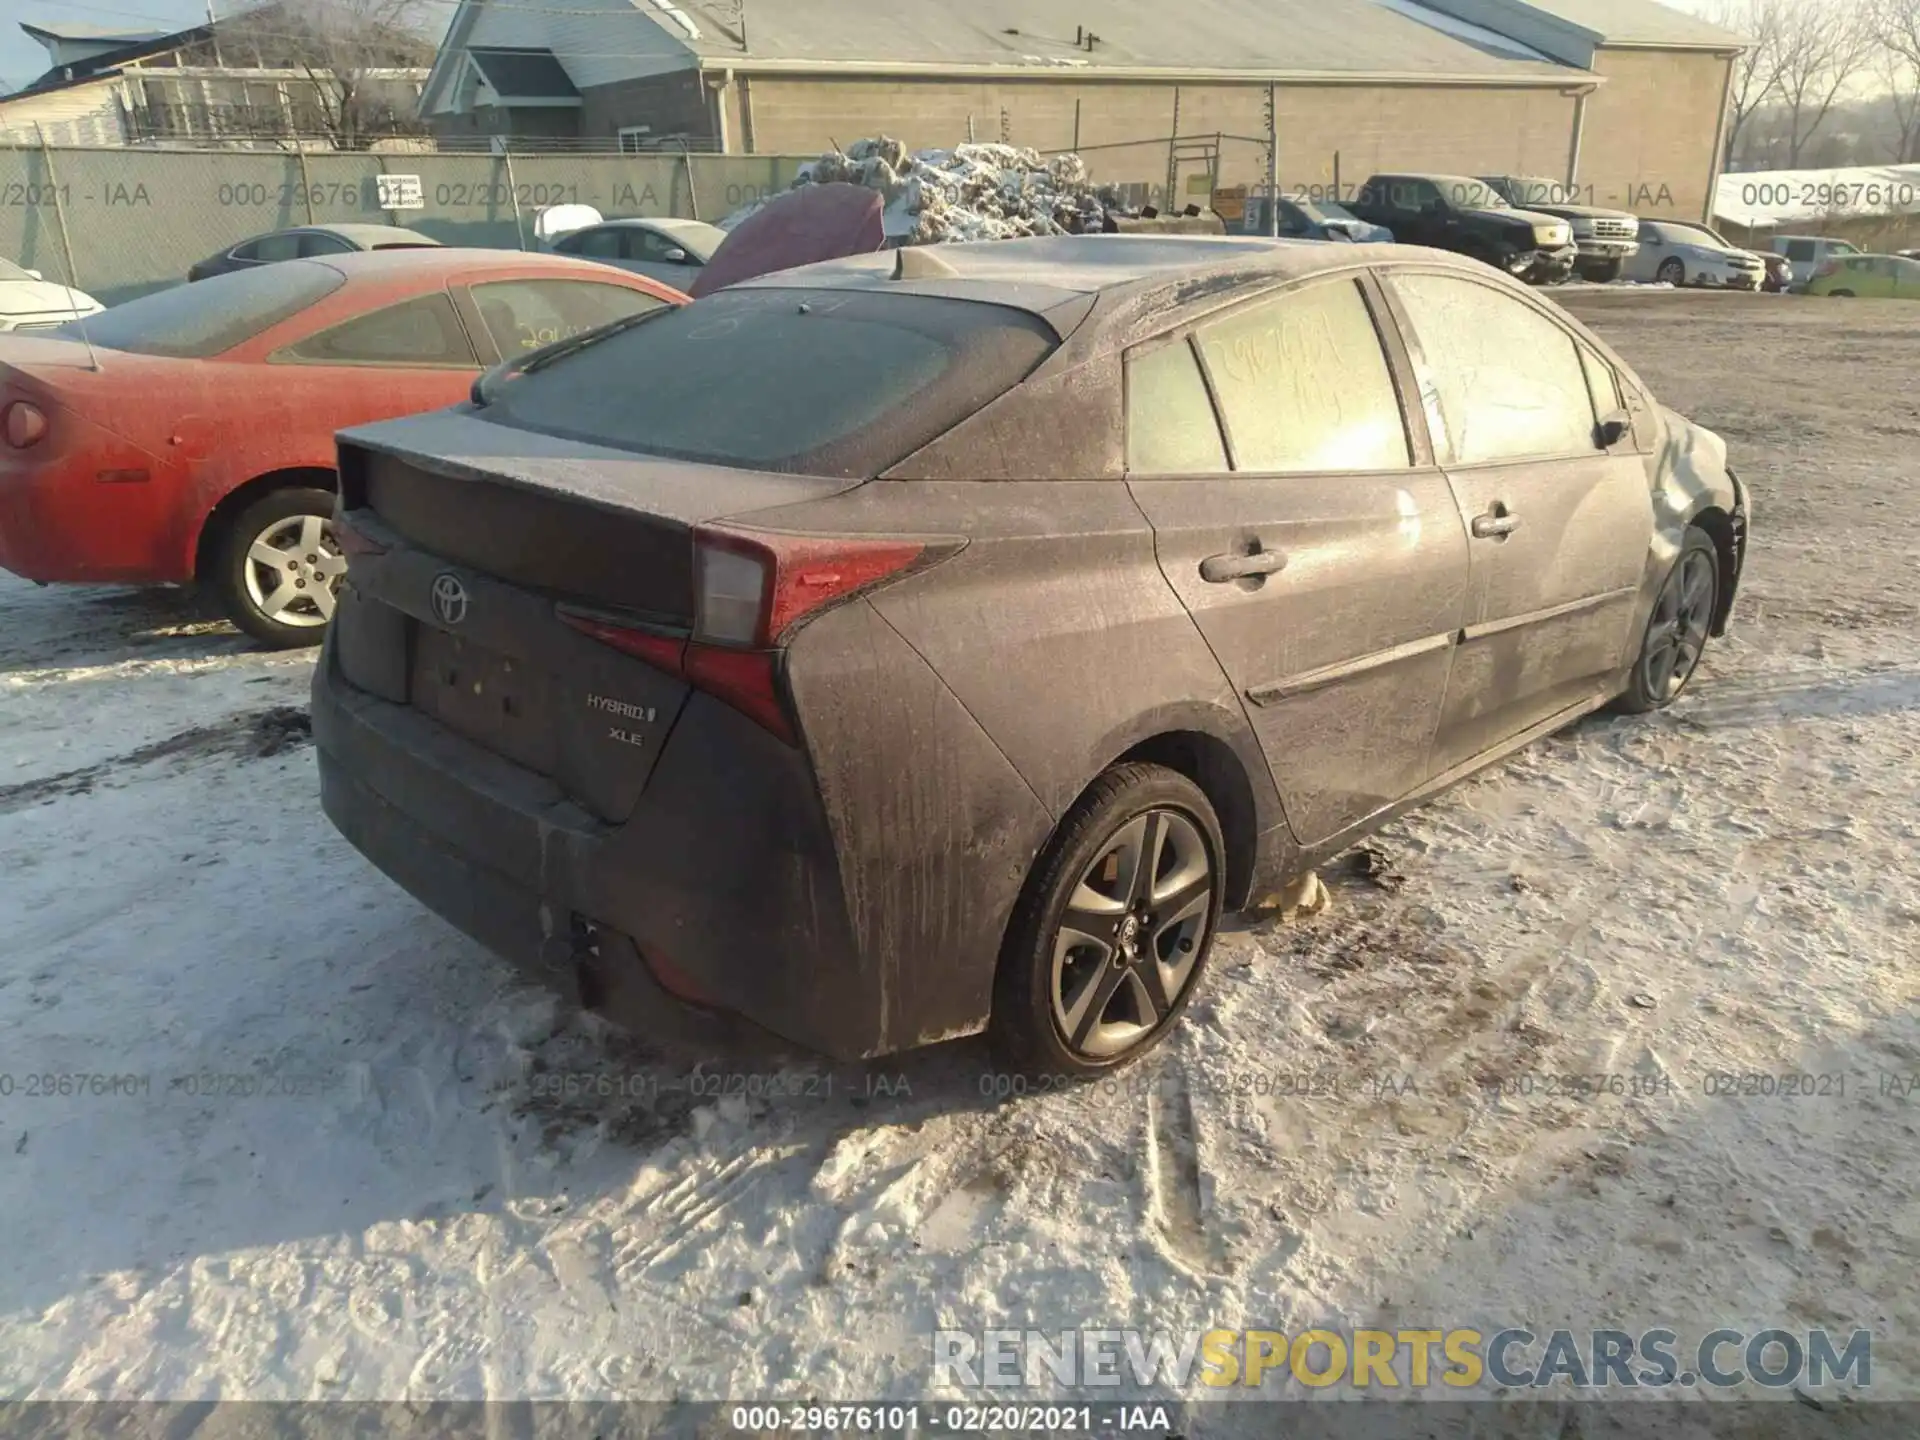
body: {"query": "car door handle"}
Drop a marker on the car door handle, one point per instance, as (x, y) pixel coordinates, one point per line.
(1495, 524)
(1257, 564)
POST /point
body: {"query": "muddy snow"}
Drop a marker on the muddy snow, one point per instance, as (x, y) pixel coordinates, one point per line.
(268, 1130)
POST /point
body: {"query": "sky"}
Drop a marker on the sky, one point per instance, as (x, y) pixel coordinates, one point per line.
(22, 59)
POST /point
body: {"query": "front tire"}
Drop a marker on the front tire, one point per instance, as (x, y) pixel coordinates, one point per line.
(1602, 272)
(278, 567)
(1113, 931)
(1676, 633)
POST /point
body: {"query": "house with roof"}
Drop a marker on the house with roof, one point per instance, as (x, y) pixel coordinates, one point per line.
(268, 77)
(1624, 96)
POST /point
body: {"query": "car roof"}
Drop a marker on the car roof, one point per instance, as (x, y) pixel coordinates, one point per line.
(661, 222)
(1441, 176)
(1042, 272)
(450, 261)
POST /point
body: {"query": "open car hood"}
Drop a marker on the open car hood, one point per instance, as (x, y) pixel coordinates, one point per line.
(815, 222)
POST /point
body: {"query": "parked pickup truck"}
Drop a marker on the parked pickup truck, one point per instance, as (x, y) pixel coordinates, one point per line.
(1605, 239)
(1469, 217)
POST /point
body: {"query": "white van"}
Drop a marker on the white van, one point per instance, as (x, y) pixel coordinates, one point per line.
(1807, 253)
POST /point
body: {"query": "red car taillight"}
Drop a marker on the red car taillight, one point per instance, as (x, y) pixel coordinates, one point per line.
(26, 424)
(750, 591)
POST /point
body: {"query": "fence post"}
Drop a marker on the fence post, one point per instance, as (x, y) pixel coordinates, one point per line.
(66, 240)
(693, 195)
(513, 193)
(306, 180)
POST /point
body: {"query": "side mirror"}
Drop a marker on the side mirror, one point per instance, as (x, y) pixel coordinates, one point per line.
(1613, 429)
(35, 275)
(675, 256)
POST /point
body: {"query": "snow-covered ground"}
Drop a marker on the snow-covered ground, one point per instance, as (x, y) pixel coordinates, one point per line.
(340, 1153)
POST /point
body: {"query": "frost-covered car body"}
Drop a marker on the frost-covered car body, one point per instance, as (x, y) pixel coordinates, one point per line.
(740, 664)
(1604, 238)
(1805, 254)
(1881, 277)
(1472, 218)
(1678, 252)
(669, 250)
(1305, 218)
(308, 242)
(131, 437)
(31, 302)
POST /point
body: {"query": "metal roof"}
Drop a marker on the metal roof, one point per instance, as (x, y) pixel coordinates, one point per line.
(1570, 29)
(1361, 37)
(69, 30)
(524, 74)
(1638, 22)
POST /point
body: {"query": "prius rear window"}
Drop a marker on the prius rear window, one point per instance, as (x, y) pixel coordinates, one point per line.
(207, 317)
(820, 382)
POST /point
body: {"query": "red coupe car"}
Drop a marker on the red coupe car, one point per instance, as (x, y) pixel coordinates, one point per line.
(188, 435)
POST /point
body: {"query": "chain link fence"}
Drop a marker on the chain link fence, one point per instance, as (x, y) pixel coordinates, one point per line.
(119, 223)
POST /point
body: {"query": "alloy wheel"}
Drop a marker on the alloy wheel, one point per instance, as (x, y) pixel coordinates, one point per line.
(1132, 933)
(1677, 633)
(293, 569)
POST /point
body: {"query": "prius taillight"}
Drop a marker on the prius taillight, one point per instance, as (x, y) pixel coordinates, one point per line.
(751, 590)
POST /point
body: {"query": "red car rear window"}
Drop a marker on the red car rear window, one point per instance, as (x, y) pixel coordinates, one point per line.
(206, 317)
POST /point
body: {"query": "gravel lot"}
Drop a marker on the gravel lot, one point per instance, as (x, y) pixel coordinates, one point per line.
(352, 1159)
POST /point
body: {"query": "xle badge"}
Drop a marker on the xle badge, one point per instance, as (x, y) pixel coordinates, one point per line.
(626, 737)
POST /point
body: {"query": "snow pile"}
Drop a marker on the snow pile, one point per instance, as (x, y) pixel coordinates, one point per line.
(971, 192)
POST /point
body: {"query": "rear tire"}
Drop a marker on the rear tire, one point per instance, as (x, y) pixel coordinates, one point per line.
(1841, 294)
(1676, 633)
(278, 567)
(1112, 933)
(1672, 272)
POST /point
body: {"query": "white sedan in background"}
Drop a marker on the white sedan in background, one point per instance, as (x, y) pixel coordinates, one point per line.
(661, 248)
(1678, 253)
(29, 301)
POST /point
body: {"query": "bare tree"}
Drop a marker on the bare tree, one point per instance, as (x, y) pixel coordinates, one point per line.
(355, 55)
(1824, 44)
(1896, 30)
(1756, 74)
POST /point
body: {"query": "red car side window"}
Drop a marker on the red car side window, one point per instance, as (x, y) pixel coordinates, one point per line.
(422, 331)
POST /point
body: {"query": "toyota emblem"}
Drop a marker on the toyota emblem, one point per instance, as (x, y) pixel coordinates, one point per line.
(449, 599)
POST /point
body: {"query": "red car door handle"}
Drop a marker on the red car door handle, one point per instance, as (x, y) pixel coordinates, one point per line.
(1495, 524)
(1217, 569)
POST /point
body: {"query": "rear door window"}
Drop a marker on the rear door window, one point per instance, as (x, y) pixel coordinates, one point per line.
(315, 242)
(524, 315)
(820, 382)
(270, 248)
(1509, 382)
(599, 244)
(211, 315)
(1800, 250)
(422, 331)
(1171, 427)
(660, 249)
(1303, 384)
(1602, 384)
